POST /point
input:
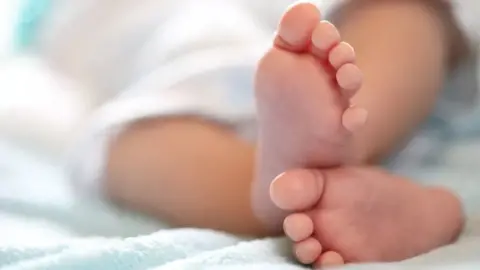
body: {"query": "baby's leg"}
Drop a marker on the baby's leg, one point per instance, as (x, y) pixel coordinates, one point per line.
(185, 171)
(142, 177)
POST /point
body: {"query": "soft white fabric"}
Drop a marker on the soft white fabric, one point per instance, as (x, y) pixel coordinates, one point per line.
(198, 57)
(44, 226)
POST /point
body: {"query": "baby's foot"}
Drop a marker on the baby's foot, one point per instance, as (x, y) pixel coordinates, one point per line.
(363, 215)
(303, 87)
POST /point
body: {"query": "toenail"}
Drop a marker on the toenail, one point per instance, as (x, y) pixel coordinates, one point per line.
(305, 182)
(295, 190)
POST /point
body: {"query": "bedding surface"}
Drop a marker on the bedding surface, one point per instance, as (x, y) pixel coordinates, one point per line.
(43, 225)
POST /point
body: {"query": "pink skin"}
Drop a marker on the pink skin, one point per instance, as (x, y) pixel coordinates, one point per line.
(363, 215)
(304, 84)
(303, 89)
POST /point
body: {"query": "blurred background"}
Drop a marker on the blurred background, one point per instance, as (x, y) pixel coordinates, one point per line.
(43, 112)
(62, 59)
(39, 108)
(43, 109)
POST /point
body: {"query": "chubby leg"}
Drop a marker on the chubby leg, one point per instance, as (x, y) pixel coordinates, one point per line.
(185, 171)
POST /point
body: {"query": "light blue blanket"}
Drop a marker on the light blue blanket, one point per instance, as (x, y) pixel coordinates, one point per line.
(43, 226)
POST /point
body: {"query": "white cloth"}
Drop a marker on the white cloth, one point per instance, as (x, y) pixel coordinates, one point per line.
(186, 57)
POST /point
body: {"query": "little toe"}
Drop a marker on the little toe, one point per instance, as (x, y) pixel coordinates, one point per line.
(327, 259)
(341, 54)
(307, 251)
(297, 190)
(324, 38)
(354, 118)
(298, 227)
(350, 79)
(296, 27)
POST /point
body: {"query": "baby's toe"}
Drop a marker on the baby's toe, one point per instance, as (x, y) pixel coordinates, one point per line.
(350, 79)
(297, 190)
(327, 259)
(307, 251)
(354, 118)
(324, 38)
(296, 27)
(341, 54)
(298, 227)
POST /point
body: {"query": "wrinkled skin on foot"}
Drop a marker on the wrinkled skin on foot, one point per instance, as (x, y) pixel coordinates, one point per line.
(304, 84)
(303, 88)
(363, 215)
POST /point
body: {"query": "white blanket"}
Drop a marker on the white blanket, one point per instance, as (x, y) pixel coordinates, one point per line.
(43, 226)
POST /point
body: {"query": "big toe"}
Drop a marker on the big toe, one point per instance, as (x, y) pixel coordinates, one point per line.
(297, 190)
(296, 26)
